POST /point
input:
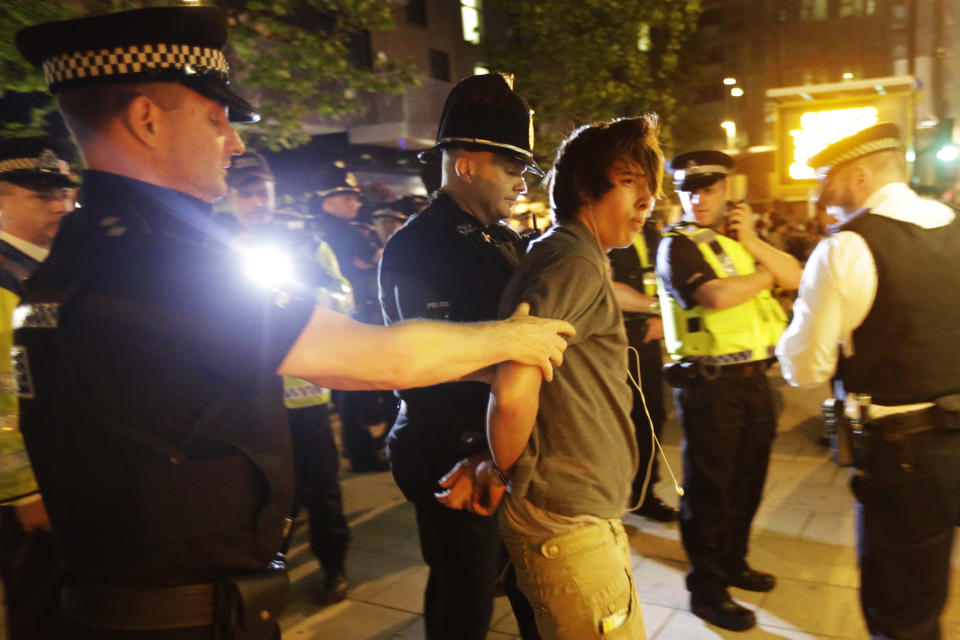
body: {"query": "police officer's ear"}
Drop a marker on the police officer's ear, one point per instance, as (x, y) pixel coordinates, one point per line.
(465, 165)
(143, 120)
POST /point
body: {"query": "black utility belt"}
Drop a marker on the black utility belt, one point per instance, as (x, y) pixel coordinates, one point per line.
(685, 373)
(244, 606)
(929, 419)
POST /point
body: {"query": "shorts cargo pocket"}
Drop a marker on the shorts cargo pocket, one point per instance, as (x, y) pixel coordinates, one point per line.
(615, 609)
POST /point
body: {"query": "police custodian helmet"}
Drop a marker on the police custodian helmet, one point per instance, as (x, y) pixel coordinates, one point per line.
(336, 179)
(181, 44)
(35, 163)
(484, 113)
(699, 169)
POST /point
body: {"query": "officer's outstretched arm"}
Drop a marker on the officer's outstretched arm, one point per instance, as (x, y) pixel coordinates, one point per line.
(335, 351)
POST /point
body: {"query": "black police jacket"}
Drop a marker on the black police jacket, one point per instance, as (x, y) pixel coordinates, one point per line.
(443, 264)
(149, 403)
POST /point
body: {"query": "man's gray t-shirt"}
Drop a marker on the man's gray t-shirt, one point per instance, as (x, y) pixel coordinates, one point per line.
(582, 454)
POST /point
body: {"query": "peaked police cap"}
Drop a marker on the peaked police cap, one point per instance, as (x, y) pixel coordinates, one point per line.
(484, 113)
(35, 163)
(880, 137)
(698, 169)
(159, 44)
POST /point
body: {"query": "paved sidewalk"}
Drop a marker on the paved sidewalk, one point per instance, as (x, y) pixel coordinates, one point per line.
(803, 534)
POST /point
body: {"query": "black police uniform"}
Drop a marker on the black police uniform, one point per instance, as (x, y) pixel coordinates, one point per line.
(151, 409)
(445, 265)
(908, 486)
(29, 560)
(628, 269)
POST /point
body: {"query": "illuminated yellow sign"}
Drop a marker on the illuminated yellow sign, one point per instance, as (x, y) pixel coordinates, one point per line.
(821, 128)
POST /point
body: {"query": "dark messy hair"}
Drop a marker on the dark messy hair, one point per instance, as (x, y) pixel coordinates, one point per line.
(579, 173)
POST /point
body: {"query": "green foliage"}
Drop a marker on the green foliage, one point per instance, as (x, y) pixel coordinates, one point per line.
(580, 61)
(292, 56)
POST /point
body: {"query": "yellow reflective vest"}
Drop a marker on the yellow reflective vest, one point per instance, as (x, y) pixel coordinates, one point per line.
(298, 393)
(746, 332)
(16, 474)
(649, 283)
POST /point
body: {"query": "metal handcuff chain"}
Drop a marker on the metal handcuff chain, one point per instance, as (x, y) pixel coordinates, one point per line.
(634, 359)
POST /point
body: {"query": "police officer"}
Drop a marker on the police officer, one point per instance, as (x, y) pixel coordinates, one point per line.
(878, 305)
(357, 249)
(147, 359)
(452, 261)
(721, 320)
(635, 287)
(36, 190)
(251, 192)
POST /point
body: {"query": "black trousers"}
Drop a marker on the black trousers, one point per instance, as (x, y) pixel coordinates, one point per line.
(359, 410)
(651, 382)
(466, 557)
(316, 465)
(729, 424)
(907, 508)
(32, 577)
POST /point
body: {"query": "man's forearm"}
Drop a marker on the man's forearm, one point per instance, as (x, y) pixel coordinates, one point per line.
(631, 300)
(514, 401)
(335, 351)
(785, 268)
(723, 293)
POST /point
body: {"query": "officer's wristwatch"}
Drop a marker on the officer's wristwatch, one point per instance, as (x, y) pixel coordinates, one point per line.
(654, 308)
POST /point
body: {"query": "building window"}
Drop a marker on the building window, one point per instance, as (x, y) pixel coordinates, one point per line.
(850, 8)
(361, 53)
(439, 65)
(470, 18)
(643, 38)
(417, 12)
(813, 10)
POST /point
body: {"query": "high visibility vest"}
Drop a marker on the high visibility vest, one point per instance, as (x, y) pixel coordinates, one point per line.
(649, 280)
(298, 393)
(16, 474)
(746, 332)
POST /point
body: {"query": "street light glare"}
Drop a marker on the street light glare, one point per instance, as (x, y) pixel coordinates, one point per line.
(948, 153)
(729, 81)
(736, 92)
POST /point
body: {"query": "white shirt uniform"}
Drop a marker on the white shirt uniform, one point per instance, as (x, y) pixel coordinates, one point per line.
(838, 289)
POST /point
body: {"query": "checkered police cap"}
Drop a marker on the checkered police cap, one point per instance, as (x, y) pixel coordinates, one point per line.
(35, 163)
(880, 137)
(699, 169)
(160, 44)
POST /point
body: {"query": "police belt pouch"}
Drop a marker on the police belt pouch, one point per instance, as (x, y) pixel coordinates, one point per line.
(248, 605)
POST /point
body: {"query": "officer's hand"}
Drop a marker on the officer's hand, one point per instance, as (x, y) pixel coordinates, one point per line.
(740, 222)
(458, 483)
(488, 490)
(33, 516)
(654, 330)
(537, 341)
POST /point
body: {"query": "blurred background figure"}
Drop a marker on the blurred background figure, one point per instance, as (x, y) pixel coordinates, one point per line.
(385, 221)
(36, 191)
(365, 415)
